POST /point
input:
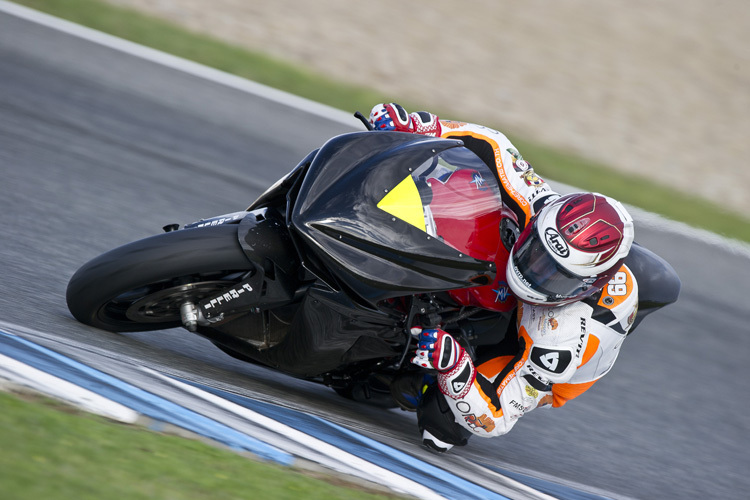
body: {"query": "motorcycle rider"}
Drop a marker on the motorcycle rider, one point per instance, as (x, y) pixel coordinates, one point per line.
(577, 299)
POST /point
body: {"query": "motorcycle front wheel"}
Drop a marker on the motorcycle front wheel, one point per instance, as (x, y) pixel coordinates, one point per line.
(142, 285)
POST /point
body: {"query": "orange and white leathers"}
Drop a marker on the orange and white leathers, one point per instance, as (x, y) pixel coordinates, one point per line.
(564, 349)
(522, 190)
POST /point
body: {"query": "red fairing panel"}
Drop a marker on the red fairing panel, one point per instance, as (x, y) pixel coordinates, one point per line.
(469, 221)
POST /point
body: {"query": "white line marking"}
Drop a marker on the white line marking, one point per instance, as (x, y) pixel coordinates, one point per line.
(180, 64)
(364, 468)
(27, 376)
(336, 115)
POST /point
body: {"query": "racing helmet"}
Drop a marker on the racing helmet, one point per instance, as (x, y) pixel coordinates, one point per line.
(570, 249)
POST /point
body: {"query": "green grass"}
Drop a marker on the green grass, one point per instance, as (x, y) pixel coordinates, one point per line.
(637, 191)
(51, 451)
(552, 164)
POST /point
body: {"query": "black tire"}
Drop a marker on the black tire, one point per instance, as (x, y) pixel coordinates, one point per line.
(140, 286)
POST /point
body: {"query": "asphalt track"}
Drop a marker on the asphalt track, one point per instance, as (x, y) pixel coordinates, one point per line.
(99, 148)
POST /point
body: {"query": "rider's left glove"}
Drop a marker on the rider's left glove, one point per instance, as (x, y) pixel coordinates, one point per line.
(439, 351)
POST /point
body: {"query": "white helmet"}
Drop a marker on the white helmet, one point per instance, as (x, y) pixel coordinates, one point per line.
(570, 249)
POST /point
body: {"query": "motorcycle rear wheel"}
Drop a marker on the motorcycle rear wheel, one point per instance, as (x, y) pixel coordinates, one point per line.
(141, 286)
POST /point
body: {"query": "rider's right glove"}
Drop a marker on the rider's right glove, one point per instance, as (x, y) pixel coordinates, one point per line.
(393, 116)
(439, 351)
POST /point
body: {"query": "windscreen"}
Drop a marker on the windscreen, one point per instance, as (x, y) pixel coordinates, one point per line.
(454, 197)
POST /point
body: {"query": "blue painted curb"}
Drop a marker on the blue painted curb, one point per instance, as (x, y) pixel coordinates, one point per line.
(133, 397)
(439, 480)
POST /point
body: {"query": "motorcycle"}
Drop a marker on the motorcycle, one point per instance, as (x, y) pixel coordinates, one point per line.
(324, 275)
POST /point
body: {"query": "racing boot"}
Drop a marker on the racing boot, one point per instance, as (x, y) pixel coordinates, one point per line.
(407, 389)
(438, 426)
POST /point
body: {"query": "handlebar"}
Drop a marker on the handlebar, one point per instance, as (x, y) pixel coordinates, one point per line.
(364, 120)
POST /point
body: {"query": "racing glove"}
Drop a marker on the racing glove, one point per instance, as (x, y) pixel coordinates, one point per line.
(393, 116)
(439, 351)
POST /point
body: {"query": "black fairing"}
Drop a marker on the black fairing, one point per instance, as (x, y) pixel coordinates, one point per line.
(658, 283)
(365, 249)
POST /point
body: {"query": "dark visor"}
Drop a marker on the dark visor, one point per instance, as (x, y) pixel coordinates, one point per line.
(541, 271)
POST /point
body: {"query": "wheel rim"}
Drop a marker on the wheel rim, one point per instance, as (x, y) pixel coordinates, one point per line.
(164, 305)
(160, 302)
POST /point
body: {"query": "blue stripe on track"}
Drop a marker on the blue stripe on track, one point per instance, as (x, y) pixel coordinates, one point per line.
(133, 397)
(556, 490)
(439, 480)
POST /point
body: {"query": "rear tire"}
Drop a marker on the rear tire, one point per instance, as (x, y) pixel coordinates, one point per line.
(140, 286)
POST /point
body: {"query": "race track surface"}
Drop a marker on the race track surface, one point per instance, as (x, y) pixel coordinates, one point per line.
(99, 148)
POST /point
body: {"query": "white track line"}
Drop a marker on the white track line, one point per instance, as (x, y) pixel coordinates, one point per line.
(23, 375)
(291, 440)
(297, 102)
(179, 64)
(365, 469)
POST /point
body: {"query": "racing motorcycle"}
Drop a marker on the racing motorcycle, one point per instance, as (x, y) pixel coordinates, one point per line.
(323, 276)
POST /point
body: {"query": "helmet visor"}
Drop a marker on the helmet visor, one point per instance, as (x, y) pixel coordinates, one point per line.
(538, 270)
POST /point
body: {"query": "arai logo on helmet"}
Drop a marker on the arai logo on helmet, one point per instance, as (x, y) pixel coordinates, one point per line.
(556, 242)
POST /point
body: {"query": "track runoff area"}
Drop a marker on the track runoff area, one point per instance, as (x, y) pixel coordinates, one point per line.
(167, 402)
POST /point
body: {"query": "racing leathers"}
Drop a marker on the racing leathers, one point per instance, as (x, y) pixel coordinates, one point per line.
(562, 350)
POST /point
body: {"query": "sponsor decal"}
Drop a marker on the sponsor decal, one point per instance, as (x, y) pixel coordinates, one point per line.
(523, 407)
(519, 164)
(542, 190)
(520, 277)
(556, 242)
(547, 322)
(490, 130)
(532, 392)
(536, 375)
(551, 360)
(631, 318)
(463, 407)
(546, 400)
(504, 178)
(228, 296)
(220, 221)
(582, 337)
(478, 181)
(481, 422)
(457, 383)
(451, 124)
(501, 293)
(531, 178)
(515, 404)
(510, 377)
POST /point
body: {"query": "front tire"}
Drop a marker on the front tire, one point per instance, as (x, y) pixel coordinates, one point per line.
(140, 286)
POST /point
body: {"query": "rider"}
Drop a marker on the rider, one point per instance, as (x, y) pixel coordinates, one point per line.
(577, 299)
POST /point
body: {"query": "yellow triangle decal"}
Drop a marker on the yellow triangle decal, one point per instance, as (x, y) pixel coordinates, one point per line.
(405, 203)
